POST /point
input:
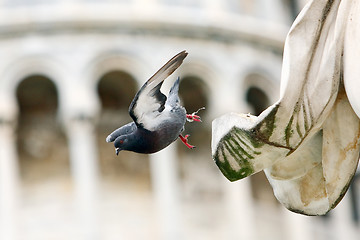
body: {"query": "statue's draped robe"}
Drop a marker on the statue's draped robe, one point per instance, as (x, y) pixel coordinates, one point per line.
(308, 142)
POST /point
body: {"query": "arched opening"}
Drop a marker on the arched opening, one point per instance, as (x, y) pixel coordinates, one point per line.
(42, 147)
(116, 90)
(200, 180)
(126, 177)
(294, 8)
(257, 99)
(194, 95)
(258, 90)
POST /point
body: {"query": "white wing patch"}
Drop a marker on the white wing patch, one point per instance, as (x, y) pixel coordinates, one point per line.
(151, 121)
(148, 107)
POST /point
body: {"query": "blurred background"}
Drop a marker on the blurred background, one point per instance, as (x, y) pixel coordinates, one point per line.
(68, 72)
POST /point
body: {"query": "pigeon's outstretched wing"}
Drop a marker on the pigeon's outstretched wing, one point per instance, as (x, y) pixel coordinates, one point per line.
(149, 102)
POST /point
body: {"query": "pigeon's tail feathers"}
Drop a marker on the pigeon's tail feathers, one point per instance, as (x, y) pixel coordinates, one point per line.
(175, 88)
(124, 130)
(173, 94)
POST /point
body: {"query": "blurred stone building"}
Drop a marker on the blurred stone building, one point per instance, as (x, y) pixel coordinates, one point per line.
(68, 72)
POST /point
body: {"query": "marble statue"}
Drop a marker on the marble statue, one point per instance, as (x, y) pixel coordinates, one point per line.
(307, 142)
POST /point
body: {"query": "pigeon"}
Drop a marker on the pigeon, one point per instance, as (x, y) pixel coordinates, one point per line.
(157, 120)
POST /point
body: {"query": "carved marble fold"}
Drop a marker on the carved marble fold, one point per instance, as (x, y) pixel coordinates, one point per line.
(308, 142)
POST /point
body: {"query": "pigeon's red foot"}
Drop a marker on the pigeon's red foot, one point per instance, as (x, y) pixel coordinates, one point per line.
(193, 117)
(185, 141)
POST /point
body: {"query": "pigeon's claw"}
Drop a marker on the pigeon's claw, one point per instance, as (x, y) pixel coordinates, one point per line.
(185, 141)
(193, 117)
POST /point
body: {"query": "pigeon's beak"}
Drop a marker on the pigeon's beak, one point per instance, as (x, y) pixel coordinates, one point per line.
(117, 150)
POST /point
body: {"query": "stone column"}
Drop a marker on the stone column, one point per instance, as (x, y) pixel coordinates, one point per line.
(9, 180)
(238, 195)
(238, 198)
(296, 226)
(84, 167)
(342, 220)
(164, 177)
(240, 209)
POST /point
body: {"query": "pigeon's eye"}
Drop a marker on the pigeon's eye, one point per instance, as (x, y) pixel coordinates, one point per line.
(121, 141)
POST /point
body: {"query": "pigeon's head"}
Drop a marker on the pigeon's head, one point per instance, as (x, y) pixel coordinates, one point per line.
(121, 143)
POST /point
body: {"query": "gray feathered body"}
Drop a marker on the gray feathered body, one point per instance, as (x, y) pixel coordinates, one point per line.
(150, 137)
(145, 141)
